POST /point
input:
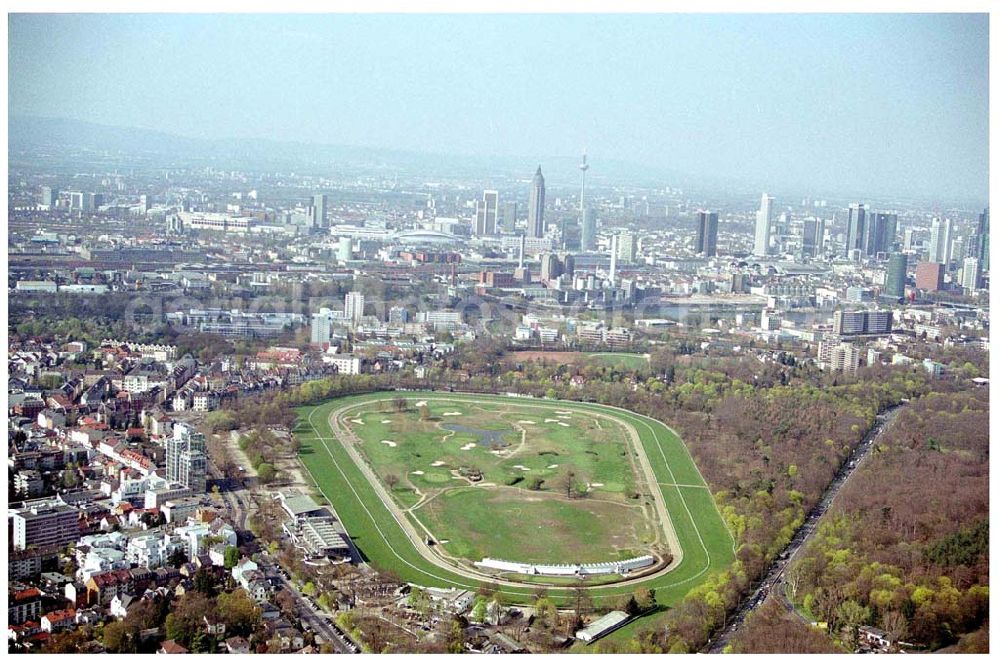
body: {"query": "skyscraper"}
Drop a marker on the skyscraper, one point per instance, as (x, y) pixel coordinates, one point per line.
(812, 237)
(886, 225)
(929, 276)
(762, 232)
(588, 232)
(486, 213)
(47, 197)
(354, 306)
(895, 276)
(939, 251)
(707, 233)
(319, 210)
(186, 461)
(509, 216)
(982, 242)
(626, 247)
(536, 205)
(970, 274)
(614, 260)
(552, 267)
(856, 227)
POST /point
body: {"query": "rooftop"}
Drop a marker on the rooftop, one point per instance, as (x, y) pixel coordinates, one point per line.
(297, 505)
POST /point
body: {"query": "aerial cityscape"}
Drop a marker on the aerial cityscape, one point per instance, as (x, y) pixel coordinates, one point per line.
(498, 333)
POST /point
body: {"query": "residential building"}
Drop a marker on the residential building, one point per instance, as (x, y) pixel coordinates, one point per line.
(45, 523)
(186, 458)
(862, 322)
(838, 356)
(354, 307)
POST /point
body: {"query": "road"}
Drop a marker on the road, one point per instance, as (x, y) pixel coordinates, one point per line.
(308, 612)
(320, 624)
(774, 575)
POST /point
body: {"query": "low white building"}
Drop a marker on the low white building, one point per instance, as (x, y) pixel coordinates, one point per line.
(345, 363)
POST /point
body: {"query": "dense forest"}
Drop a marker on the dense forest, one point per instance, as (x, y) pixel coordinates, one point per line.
(905, 546)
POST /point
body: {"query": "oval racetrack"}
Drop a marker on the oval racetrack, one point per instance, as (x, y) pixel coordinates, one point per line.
(385, 538)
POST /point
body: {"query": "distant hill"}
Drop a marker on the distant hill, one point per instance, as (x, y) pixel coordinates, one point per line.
(27, 133)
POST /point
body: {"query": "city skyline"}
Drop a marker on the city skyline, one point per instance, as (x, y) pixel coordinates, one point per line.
(924, 130)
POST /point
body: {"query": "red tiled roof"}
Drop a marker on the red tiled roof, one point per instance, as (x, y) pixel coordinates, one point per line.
(31, 592)
(60, 615)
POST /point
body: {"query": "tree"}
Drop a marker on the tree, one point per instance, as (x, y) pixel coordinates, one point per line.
(645, 599)
(177, 558)
(231, 557)
(205, 582)
(222, 420)
(119, 637)
(496, 606)
(69, 478)
(186, 618)
(894, 623)
(545, 611)
(425, 413)
(420, 601)
(851, 615)
(392, 481)
(238, 611)
(479, 611)
(568, 482)
(266, 472)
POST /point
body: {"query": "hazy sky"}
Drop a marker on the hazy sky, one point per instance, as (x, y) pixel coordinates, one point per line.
(855, 104)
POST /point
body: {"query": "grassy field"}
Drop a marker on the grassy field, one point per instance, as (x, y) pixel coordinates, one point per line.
(526, 526)
(509, 445)
(630, 361)
(627, 360)
(524, 456)
(381, 540)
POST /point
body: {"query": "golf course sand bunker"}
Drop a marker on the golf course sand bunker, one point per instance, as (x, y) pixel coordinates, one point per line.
(390, 443)
(438, 463)
(358, 421)
(527, 422)
(422, 403)
(418, 472)
(471, 445)
(452, 414)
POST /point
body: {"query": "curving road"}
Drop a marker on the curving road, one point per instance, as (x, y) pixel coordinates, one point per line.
(774, 577)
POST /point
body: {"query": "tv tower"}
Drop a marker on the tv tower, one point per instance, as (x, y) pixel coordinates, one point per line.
(583, 184)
